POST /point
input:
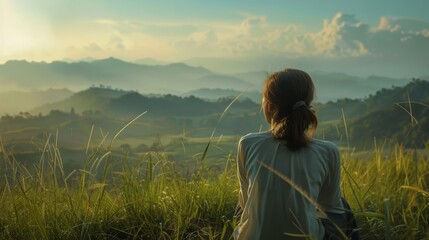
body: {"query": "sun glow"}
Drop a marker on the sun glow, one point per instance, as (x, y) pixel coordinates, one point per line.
(18, 34)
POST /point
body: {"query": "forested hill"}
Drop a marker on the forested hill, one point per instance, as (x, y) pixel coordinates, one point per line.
(169, 105)
(91, 99)
(399, 114)
(118, 103)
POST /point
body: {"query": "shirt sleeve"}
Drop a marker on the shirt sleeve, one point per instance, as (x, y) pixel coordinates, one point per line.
(330, 194)
(242, 175)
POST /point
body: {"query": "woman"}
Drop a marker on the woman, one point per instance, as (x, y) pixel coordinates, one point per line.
(285, 176)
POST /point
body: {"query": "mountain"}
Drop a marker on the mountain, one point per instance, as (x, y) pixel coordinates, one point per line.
(393, 124)
(13, 102)
(175, 78)
(257, 78)
(92, 99)
(216, 93)
(85, 59)
(109, 72)
(400, 114)
(363, 66)
(331, 86)
(172, 106)
(382, 115)
(222, 81)
(150, 61)
(119, 102)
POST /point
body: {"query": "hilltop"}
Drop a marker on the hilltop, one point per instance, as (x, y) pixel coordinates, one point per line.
(91, 99)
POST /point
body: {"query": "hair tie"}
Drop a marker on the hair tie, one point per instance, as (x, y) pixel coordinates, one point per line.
(298, 105)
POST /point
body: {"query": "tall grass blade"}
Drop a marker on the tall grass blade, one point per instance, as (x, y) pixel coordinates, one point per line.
(128, 124)
(89, 139)
(345, 128)
(413, 119)
(426, 193)
(387, 224)
(220, 118)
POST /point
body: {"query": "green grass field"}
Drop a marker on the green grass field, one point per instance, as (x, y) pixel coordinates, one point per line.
(115, 197)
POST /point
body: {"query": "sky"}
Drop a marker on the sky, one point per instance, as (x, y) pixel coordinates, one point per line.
(386, 37)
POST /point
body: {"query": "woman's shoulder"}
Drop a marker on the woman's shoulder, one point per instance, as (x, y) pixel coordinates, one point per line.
(252, 137)
(325, 145)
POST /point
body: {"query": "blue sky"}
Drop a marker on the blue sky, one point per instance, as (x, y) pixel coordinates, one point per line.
(167, 30)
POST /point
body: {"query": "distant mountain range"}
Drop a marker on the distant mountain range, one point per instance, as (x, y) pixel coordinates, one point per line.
(176, 78)
(110, 72)
(398, 114)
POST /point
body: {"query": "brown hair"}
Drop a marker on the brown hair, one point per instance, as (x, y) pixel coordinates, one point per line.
(287, 98)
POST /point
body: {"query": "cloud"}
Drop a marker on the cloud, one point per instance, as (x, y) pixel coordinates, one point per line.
(403, 25)
(116, 42)
(251, 36)
(342, 36)
(346, 36)
(394, 46)
(159, 29)
(93, 47)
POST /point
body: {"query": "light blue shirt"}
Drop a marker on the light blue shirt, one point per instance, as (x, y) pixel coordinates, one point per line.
(272, 208)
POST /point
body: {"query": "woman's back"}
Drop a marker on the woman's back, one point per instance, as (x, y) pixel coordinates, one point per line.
(272, 208)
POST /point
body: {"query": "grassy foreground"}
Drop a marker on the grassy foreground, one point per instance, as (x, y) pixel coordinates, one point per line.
(115, 198)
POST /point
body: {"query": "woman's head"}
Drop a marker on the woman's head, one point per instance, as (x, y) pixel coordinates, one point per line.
(287, 96)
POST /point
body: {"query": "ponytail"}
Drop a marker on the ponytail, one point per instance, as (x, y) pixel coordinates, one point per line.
(289, 93)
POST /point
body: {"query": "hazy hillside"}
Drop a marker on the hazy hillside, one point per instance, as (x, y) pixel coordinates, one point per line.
(170, 116)
(13, 102)
(92, 99)
(169, 105)
(108, 110)
(332, 86)
(216, 93)
(176, 78)
(384, 115)
(111, 71)
(150, 61)
(222, 81)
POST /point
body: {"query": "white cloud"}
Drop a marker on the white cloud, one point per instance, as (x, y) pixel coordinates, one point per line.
(342, 36)
(403, 25)
(346, 36)
(251, 36)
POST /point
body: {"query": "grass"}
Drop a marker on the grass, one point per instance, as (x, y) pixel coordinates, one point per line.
(388, 191)
(146, 199)
(113, 197)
